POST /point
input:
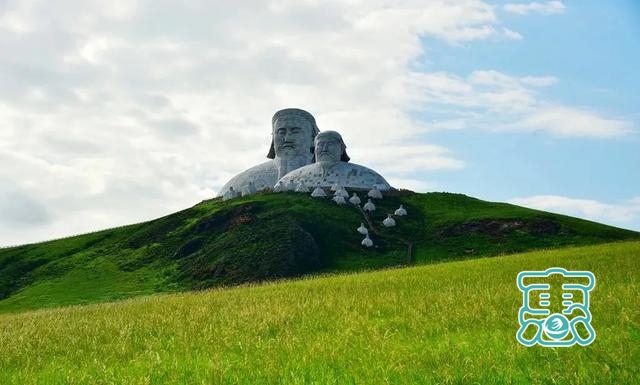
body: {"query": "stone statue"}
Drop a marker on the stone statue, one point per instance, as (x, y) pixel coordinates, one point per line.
(293, 131)
(332, 167)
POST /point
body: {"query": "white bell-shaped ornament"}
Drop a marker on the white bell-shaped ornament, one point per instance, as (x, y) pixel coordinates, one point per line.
(318, 192)
(343, 193)
(249, 189)
(362, 230)
(302, 188)
(401, 211)
(369, 206)
(374, 193)
(367, 241)
(355, 199)
(339, 199)
(388, 221)
(230, 194)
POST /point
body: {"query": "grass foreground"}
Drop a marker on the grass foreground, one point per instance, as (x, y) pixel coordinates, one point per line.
(450, 323)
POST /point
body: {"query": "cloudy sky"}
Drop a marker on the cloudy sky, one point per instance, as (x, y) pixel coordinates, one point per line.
(115, 112)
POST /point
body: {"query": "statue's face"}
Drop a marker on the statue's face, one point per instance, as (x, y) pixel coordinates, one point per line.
(328, 148)
(292, 136)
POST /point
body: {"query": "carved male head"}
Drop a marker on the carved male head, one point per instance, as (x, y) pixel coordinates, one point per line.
(293, 133)
(329, 147)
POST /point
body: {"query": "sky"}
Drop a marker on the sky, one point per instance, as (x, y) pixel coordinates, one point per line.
(119, 112)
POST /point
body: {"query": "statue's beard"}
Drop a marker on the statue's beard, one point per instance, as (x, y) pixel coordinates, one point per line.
(287, 150)
(285, 163)
(326, 157)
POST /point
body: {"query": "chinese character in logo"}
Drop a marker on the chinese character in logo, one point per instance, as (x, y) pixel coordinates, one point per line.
(566, 325)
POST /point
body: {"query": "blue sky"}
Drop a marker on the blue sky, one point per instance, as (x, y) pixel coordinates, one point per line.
(119, 112)
(595, 64)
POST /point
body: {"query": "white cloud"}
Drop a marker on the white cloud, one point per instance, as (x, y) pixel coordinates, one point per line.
(500, 80)
(17, 208)
(417, 185)
(129, 110)
(538, 81)
(568, 121)
(486, 91)
(623, 214)
(120, 112)
(511, 34)
(95, 49)
(403, 159)
(494, 101)
(458, 22)
(16, 17)
(548, 8)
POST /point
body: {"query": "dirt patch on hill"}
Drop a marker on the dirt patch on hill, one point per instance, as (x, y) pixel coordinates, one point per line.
(497, 228)
(227, 219)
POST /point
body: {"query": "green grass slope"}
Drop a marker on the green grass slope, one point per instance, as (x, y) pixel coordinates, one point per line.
(447, 323)
(267, 236)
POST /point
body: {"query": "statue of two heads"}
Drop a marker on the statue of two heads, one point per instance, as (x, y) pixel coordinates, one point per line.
(295, 133)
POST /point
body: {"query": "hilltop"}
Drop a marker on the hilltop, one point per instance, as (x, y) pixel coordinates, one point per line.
(268, 236)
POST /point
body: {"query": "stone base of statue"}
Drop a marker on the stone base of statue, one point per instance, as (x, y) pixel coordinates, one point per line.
(348, 175)
(263, 176)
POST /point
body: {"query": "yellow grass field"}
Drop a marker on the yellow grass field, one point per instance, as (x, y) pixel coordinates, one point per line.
(451, 323)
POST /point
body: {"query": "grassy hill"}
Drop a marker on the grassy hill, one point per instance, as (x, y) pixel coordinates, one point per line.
(267, 236)
(446, 323)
